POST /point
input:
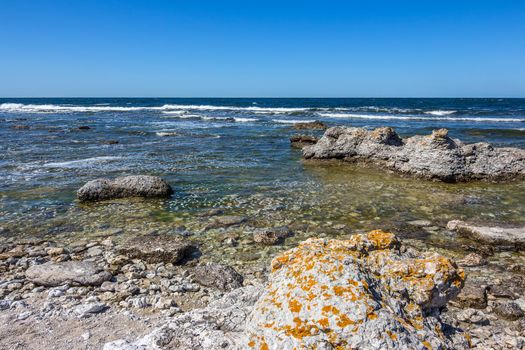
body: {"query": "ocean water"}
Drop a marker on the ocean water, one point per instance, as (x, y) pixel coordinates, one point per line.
(235, 154)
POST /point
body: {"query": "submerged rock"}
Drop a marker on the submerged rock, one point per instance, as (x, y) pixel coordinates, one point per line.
(219, 276)
(226, 221)
(315, 125)
(157, 248)
(272, 235)
(300, 141)
(53, 274)
(510, 237)
(125, 186)
(361, 293)
(436, 156)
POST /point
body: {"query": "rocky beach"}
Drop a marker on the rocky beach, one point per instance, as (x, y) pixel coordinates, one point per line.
(274, 227)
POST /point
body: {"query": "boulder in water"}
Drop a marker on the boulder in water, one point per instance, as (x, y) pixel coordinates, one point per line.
(125, 186)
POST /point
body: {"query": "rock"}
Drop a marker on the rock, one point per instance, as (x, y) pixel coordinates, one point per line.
(436, 156)
(420, 223)
(226, 221)
(211, 212)
(125, 186)
(315, 125)
(111, 142)
(53, 274)
(20, 127)
(473, 295)
(472, 259)
(157, 248)
(362, 293)
(513, 238)
(508, 310)
(270, 236)
(300, 141)
(218, 276)
(24, 315)
(472, 316)
(86, 310)
(84, 127)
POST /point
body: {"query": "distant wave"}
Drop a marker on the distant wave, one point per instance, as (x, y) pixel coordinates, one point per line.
(398, 117)
(167, 108)
(290, 121)
(166, 133)
(80, 163)
(440, 112)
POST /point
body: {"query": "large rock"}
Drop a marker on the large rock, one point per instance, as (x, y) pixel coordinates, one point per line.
(313, 125)
(125, 186)
(362, 293)
(435, 156)
(157, 248)
(301, 141)
(219, 276)
(52, 274)
(504, 237)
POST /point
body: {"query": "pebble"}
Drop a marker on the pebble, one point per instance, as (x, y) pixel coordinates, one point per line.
(85, 310)
(24, 315)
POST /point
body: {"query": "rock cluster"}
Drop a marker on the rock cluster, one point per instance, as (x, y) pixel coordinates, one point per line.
(313, 125)
(300, 141)
(328, 294)
(435, 157)
(125, 186)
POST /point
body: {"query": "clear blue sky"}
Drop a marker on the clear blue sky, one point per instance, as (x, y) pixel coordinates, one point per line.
(262, 48)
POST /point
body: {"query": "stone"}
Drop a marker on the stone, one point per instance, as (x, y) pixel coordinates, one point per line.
(271, 236)
(125, 186)
(226, 221)
(361, 293)
(24, 315)
(431, 157)
(154, 248)
(508, 310)
(88, 309)
(473, 295)
(222, 277)
(503, 237)
(472, 260)
(315, 125)
(53, 274)
(84, 127)
(472, 316)
(300, 141)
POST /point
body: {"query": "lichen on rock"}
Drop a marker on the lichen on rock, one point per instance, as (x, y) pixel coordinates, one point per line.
(360, 293)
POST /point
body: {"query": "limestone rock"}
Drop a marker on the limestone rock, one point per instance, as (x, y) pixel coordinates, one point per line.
(226, 221)
(300, 141)
(315, 125)
(436, 156)
(513, 237)
(222, 277)
(508, 310)
(53, 274)
(157, 248)
(125, 186)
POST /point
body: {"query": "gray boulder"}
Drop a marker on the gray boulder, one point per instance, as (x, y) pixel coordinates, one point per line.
(300, 141)
(219, 276)
(503, 237)
(433, 157)
(54, 274)
(157, 248)
(125, 186)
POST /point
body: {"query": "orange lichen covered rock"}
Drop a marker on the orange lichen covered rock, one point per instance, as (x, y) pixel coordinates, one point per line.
(360, 293)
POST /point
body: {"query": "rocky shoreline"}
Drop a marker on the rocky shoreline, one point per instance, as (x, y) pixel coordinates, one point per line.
(100, 282)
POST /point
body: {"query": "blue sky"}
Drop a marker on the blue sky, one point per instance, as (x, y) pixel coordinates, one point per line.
(262, 48)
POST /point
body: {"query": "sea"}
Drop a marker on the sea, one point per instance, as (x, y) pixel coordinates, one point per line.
(235, 154)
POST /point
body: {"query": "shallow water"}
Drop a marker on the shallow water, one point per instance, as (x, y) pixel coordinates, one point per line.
(235, 154)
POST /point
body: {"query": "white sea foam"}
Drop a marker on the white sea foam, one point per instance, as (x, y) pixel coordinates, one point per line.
(245, 120)
(440, 112)
(166, 133)
(290, 121)
(399, 117)
(81, 163)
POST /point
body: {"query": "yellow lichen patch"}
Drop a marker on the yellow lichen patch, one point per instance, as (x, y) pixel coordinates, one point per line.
(391, 335)
(381, 239)
(344, 321)
(427, 345)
